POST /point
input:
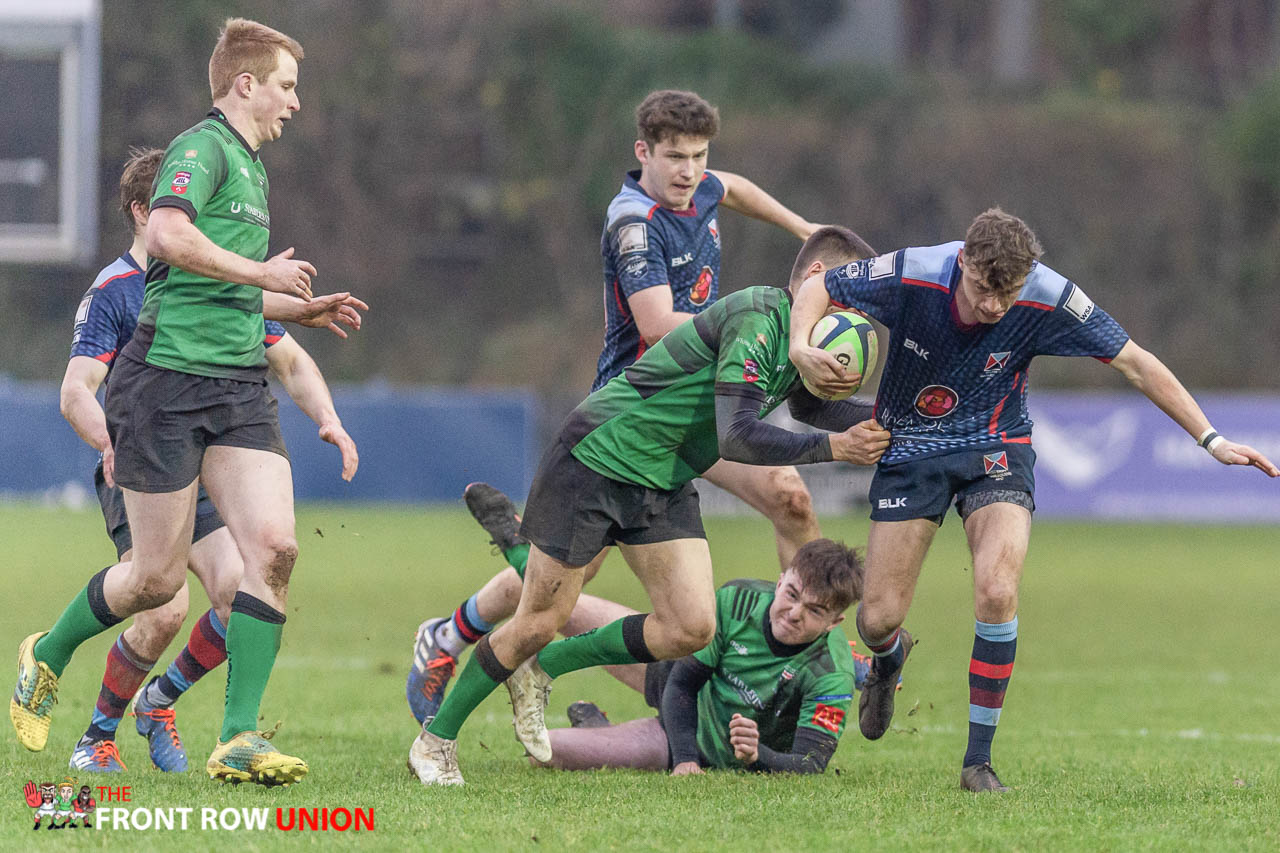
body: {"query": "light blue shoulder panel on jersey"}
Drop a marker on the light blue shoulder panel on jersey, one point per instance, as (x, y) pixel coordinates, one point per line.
(628, 203)
(931, 263)
(1043, 287)
(115, 269)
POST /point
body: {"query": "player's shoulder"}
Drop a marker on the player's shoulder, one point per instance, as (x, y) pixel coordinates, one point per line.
(629, 205)
(738, 598)
(932, 264)
(1049, 290)
(710, 190)
(760, 298)
(829, 654)
(116, 278)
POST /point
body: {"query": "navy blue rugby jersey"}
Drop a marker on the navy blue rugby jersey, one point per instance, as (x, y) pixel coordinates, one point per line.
(950, 387)
(108, 312)
(647, 245)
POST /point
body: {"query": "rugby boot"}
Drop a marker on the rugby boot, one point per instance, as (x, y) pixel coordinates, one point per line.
(587, 715)
(979, 778)
(530, 689)
(97, 756)
(495, 512)
(862, 668)
(250, 757)
(160, 727)
(434, 760)
(430, 672)
(31, 708)
(875, 702)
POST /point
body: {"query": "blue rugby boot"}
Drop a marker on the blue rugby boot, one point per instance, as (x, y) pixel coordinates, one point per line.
(159, 726)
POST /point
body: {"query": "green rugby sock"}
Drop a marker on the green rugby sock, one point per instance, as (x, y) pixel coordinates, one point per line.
(86, 616)
(480, 677)
(253, 639)
(518, 557)
(619, 642)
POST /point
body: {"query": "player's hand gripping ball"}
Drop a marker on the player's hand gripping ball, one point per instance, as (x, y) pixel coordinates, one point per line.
(852, 340)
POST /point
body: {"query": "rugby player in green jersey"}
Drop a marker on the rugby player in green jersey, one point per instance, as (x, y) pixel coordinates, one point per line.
(769, 693)
(188, 404)
(620, 473)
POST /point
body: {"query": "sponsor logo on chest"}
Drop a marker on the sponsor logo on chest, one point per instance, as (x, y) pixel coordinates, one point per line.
(916, 348)
(996, 362)
(250, 213)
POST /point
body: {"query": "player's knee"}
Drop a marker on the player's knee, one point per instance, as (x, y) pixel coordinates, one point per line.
(161, 624)
(790, 499)
(155, 590)
(281, 554)
(690, 634)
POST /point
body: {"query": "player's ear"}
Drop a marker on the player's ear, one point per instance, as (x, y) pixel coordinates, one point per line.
(836, 621)
(642, 152)
(244, 84)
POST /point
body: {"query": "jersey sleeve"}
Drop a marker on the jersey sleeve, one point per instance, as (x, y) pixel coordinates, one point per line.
(638, 254)
(1078, 327)
(749, 344)
(826, 703)
(193, 169)
(872, 286)
(272, 332)
(99, 324)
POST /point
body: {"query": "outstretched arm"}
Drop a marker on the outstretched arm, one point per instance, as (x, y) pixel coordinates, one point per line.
(322, 312)
(745, 438)
(747, 198)
(298, 372)
(680, 713)
(1150, 376)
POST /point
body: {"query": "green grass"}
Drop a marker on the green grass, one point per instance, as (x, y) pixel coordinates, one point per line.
(1141, 714)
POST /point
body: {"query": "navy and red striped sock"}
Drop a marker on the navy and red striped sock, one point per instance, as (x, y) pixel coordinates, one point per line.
(123, 676)
(990, 668)
(887, 651)
(206, 649)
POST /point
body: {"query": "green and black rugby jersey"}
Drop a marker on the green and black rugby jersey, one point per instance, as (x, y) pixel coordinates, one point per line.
(655, 423)
(781, 687)
(188, 322)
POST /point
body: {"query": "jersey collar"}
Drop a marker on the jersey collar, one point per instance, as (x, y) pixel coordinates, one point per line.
(129, 259)
(778, 648)
(219, 116)
(633, 181)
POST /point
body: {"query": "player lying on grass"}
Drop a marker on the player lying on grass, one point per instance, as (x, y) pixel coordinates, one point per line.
(620, 473)
(105, 322)
(770, 692)
(966, 319)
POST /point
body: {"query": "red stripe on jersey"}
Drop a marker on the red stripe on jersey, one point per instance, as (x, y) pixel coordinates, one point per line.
(920, 283)
(990, 670)
(273, 339)
(652, 211)
(1026, 439)
(640, 350)
(622, 305)
(986, 698)
(1103, 360)
(1040, 305)
(114, 277)
(105, 357)
(995, 414)
(840, 305)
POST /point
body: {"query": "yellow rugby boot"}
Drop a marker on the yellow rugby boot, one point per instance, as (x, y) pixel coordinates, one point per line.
(250, 757)
(31, 708)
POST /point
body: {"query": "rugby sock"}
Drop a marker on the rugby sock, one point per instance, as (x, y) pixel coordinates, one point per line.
(124, 674)
(480, 677)
(886, 651)
(206, 649)
(466, 627)
(989, 671)
(518, 557)
(253, 639)
(86, 616)
(619, 642)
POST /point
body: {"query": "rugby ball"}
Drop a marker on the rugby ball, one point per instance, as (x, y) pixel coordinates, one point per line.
(852, 340)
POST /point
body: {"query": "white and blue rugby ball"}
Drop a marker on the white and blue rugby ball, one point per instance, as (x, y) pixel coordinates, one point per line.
(852, 340)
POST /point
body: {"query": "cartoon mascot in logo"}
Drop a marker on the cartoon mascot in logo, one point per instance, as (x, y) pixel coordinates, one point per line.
(66, 796)
(84, 807)
(41, 798)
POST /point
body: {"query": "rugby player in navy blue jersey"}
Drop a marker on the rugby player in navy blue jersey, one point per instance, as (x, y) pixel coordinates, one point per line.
(104, 324)
(966, 319)
(661, 252)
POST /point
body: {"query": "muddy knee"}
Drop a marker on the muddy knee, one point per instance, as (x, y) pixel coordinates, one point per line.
(790, 498)
(281, 554)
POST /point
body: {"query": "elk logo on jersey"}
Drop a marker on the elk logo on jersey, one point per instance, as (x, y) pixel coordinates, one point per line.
(936, 401)
(702, 287)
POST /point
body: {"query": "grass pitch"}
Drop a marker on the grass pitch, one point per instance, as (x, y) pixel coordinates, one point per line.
(1141, 714)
